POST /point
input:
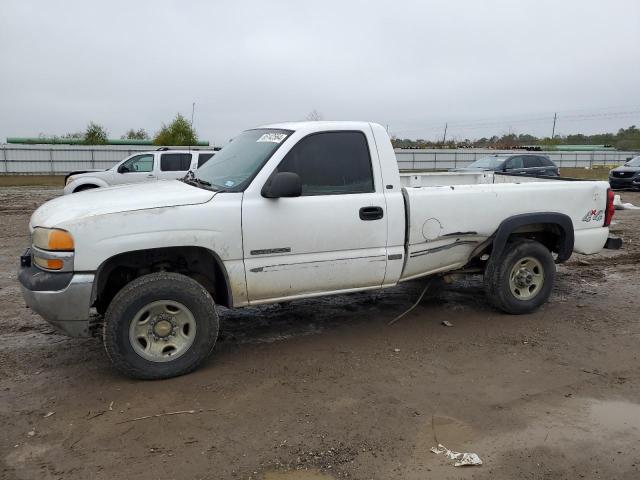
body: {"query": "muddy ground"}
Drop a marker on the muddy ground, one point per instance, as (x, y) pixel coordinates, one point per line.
(325, 389)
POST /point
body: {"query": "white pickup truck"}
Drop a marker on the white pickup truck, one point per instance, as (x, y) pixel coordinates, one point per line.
(162, 164)
(284, 212)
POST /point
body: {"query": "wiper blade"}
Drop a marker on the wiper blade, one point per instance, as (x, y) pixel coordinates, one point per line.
(191, 179)
(201, 182)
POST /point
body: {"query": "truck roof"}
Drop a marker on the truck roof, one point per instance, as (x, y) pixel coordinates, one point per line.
(321, 125)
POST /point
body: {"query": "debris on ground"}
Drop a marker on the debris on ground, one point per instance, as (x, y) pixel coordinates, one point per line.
(426, 287)
(462, 459)
(618, 205)
(447, 323)
(48, 414)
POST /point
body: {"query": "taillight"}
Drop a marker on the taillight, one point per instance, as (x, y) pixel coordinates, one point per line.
(610, 209)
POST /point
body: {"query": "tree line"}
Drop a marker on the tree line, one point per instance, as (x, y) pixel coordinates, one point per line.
(178, 132)
(624, 139)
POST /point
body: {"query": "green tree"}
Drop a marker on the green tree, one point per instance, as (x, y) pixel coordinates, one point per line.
(95, 134)
(140, 134)
(178, 132)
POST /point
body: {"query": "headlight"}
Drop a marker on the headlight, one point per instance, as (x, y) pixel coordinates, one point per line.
(52, 239)
(53, 249)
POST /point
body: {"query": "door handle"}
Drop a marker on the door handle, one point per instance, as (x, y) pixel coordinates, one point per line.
(150, 175)
(371, 213)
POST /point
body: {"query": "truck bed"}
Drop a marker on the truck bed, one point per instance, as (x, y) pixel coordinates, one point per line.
(438, 203)
(438, 179)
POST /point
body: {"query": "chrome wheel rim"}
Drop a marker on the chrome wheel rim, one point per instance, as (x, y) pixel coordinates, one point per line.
(526, 278)
(162, 331)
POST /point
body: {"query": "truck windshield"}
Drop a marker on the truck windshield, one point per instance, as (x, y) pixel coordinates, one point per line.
(487, 162)
(634, 162)
(233, 167)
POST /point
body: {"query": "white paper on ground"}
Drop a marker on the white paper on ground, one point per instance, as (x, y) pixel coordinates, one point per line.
(618, 205)
(462, 459)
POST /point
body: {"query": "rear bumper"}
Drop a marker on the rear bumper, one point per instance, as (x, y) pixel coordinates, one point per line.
(62, 299)
(613, 243)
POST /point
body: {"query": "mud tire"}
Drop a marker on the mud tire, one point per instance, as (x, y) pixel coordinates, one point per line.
(497, 274)
(143, 291)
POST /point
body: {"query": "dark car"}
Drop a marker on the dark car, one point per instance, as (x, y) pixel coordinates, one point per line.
(627, 176)
(527, 164)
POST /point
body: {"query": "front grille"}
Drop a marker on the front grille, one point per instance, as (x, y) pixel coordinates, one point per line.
(622, 174)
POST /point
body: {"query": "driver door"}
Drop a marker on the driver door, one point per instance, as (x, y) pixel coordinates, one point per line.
(138, 168)
(331, 238)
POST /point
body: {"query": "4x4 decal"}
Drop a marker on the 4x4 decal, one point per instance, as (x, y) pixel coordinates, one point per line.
(595, 215)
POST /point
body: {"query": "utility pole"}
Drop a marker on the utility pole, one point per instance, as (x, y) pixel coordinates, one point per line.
(444, 137)
(553, 132)
(193, 110)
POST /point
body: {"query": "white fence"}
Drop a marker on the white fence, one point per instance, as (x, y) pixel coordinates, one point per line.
(62, 159)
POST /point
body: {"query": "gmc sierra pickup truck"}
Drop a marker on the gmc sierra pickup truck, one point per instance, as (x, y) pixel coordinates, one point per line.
(284, 212)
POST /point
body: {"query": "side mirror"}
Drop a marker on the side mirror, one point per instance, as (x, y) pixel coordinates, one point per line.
(123, 169)
(283, 184)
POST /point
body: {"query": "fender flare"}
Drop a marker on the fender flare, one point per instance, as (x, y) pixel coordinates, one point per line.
(511, 224)
(103, 270)
(87, 181)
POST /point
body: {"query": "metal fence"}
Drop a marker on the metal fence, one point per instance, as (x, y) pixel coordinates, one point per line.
(62, 159)
(434, 159)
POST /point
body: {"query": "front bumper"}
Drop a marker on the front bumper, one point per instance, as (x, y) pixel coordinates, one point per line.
(62, 299)
(631, 182)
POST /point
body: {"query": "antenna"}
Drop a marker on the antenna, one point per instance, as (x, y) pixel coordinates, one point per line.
(193, 111)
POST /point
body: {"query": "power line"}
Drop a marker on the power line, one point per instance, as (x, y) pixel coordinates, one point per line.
(523, 121)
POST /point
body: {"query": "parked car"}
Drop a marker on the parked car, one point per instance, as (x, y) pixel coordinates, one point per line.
(627, 176)
(284, 212)
(525, 164)
(161, 164)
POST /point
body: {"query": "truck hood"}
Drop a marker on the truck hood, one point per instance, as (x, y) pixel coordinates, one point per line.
(123, 198)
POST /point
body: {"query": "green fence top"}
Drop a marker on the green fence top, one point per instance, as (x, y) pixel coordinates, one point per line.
(79, 141)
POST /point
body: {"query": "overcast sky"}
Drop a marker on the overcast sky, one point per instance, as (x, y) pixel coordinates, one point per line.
(486, 67)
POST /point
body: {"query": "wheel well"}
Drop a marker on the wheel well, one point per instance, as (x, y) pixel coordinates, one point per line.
(548, 234)
(199, 263)
(86, 186)
(556, 236)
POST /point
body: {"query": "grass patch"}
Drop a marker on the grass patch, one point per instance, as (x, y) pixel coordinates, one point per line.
(600, 173)
(32, 180)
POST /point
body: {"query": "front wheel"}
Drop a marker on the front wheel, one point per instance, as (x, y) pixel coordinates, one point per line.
(522, 278)
(160, 325)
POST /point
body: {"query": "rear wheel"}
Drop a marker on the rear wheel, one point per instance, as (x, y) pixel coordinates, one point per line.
(160, 325)
(522, 278)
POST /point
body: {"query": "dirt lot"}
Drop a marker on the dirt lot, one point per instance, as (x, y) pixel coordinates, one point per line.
(324, 389)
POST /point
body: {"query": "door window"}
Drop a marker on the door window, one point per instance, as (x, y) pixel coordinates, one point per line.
(513, 163)
(531, 162)
(139, 163)
(175, 162)
(331, 163)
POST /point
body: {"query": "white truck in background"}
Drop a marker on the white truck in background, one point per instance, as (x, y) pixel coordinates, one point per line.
(284, 212)
(161, 164)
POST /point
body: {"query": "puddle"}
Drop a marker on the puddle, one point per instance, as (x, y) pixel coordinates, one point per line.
(615, 415)
(297, 475)
(451, 432)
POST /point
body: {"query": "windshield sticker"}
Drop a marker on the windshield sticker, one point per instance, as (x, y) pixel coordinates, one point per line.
(272, 137)
(229, 183)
